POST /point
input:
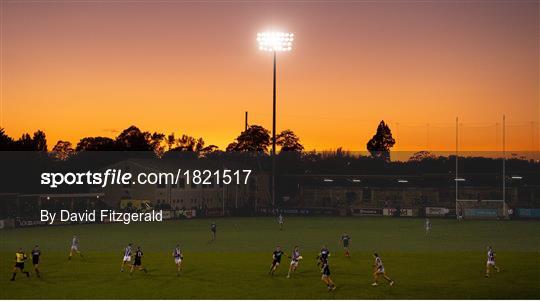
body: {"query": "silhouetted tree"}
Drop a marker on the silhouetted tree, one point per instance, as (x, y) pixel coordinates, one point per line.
(186, 143)
(40, 141)
(199, 145)
(379, 146)
(28, 143)
(232, 146)
(25, 143)
(289, 142)
(37, 142)
(96, 144)
(133, 139)
(6, 142)
(422, 155)
(63, 150)
(171, 140)
(156, 143)
(202, 150)
(254, 139)
(205, 151)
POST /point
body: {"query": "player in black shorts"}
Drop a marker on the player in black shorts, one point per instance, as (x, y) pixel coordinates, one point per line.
(137, 263)
(36, 254)
(276, 260)
(326, 275)
(20, 258)
(213, 229)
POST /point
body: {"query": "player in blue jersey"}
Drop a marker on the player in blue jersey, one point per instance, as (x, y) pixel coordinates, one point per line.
(491, 262)
(295, 259)
(178, 257)
(127, 257)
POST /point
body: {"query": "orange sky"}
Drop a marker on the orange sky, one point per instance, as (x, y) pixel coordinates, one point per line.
(84, 68)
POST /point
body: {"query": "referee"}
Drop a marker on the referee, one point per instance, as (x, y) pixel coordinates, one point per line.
(20, 258)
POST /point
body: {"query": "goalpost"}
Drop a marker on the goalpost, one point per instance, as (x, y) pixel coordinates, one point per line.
(481, 208)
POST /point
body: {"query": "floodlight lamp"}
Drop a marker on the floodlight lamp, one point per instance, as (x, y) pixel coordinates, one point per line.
(275, 41)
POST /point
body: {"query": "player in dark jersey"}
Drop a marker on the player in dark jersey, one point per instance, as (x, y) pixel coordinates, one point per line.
(20, 258)
(137, 263)
(127, 257)
(295, 259)
(276, 260)
(213, 229)
(325, 270)
(36, 254)
(345, 241)
(323, 255)
(491, 262)
(178, 257)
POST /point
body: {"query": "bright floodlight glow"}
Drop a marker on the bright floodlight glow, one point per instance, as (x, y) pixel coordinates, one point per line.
(275, 41)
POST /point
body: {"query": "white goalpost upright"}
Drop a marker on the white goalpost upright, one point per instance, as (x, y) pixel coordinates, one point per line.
(470, 208)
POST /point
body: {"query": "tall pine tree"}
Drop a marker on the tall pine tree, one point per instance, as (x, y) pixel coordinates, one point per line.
(379, 146)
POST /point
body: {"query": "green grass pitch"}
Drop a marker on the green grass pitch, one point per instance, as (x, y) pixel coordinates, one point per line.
(448, 264)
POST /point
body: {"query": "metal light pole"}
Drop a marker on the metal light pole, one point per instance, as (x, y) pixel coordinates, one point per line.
(274, 137)
(274, 42)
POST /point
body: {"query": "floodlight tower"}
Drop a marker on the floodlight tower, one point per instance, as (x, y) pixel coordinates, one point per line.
(274, 42)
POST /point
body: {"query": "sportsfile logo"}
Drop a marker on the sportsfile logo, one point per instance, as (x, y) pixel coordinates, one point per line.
(119, 177)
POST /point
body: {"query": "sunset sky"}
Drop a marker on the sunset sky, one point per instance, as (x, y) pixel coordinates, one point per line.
(92, 68)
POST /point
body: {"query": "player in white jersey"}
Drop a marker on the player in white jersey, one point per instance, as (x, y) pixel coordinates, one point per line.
(378, 270)
(281, 221)
(491, 262)
(127, 257)
(75, 247)
(178, 257)
(295, 259)
(428, 226)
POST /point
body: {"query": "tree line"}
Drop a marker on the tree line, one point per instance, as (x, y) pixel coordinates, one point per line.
(251, 148)
(254, 139)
